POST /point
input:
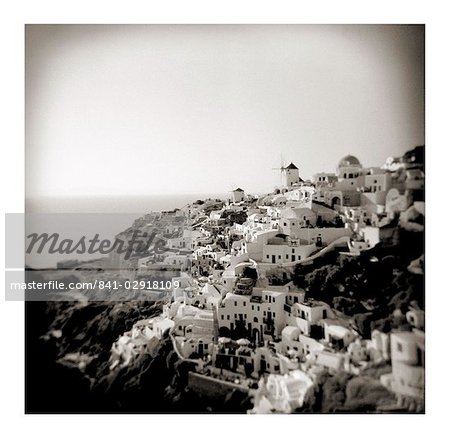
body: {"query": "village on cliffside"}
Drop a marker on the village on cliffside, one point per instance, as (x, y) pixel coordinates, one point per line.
(309, 298)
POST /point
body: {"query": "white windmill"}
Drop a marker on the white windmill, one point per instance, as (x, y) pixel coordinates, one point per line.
(289, 174)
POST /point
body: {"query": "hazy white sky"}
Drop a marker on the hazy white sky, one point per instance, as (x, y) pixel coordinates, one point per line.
(141, 110)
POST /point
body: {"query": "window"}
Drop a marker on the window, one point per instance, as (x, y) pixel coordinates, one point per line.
(293, 250)
(228, 317)
(235, 303)
(399, 347)
(267, 256)
(287, 256)
(279, 256)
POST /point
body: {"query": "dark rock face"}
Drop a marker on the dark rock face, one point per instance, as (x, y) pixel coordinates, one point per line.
(56, 329)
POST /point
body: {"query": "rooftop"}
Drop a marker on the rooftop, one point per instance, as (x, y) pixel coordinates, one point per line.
(349, 160)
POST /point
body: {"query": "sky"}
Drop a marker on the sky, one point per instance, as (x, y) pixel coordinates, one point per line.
(134, 110)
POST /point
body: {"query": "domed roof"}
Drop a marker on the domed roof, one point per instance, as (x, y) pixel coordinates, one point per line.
(349, 160)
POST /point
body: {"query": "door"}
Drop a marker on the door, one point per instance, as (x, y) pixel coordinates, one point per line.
(273, 259)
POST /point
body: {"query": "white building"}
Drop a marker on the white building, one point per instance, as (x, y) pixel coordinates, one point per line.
(292, 219)
(289, 175)
(261, 315)
(323, 178)
(307, 315)
(407, 379)
(377, 180)
(237, 195)
(349, 168)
